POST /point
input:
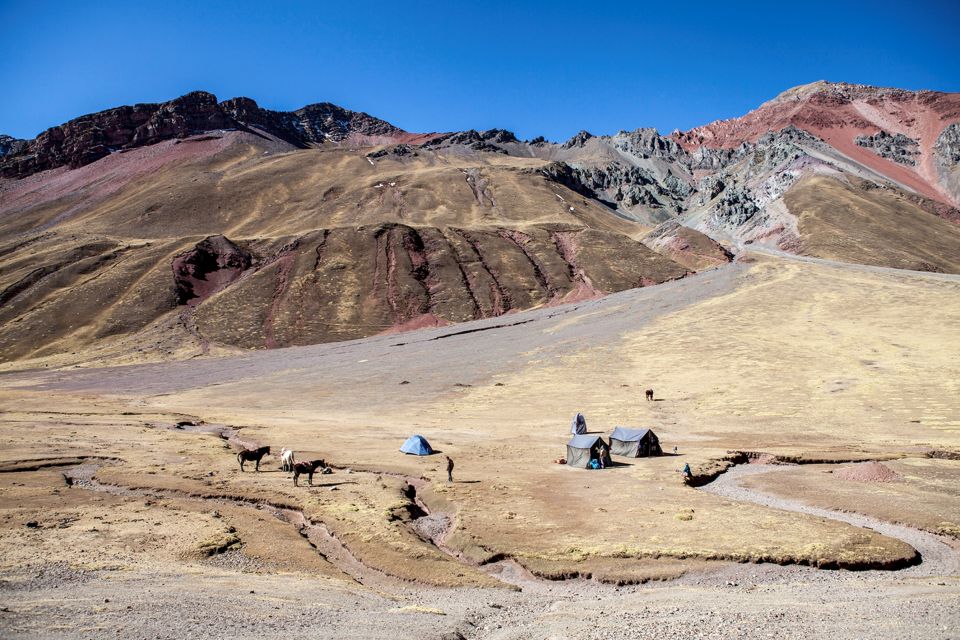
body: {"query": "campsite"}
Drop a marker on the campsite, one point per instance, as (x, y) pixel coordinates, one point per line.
(506, 521)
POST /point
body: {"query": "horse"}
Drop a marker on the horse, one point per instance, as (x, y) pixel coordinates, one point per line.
(649, 395)
(287, 459)
(308, 468)
(252, 454)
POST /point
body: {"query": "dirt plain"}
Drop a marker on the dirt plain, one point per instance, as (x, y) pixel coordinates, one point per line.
(112, 520)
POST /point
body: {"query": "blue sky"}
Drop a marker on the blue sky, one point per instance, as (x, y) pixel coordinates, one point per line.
(537, 68)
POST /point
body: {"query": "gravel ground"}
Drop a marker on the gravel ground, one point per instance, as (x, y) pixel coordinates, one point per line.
(939, 555)
(218, 600)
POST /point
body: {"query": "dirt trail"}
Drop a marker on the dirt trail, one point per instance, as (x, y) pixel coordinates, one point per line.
(316, 533)
(432, 527)
(938, 557)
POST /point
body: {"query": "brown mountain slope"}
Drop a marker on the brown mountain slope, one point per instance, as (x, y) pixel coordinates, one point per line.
(855, 221)
(242, 242)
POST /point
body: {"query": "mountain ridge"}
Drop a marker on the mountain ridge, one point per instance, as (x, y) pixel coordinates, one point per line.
(196, 226)
(88, 138)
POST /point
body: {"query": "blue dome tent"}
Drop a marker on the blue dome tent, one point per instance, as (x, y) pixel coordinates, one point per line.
(417, 445)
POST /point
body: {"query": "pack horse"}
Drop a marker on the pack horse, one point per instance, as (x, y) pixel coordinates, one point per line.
(252, 455)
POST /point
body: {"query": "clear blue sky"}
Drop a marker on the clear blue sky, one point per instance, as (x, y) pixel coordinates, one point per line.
(538, 68)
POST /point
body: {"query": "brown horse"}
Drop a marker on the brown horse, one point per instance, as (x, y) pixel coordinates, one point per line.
(649, 395)
(252, 454)
(306, 468)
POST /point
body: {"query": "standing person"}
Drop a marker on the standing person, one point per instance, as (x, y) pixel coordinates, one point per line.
(449, 469)
(686, 471)
(603, 456)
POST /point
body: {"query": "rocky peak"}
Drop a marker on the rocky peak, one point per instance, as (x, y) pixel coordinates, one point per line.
(578, 140)
(324, 121)
(838, 93)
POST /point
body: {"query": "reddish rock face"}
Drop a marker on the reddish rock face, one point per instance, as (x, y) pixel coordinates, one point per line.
(207, 268)
(193, 113)
(821, 106)
(88, 138)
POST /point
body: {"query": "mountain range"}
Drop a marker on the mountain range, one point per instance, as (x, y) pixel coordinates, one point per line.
(196, 226)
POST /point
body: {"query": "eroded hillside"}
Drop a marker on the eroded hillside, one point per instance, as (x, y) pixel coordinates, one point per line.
(229, 240)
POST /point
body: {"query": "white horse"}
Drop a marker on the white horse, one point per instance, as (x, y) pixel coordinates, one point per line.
(287, 459)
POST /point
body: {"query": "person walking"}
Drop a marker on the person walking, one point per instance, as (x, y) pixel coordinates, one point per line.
(449, 469)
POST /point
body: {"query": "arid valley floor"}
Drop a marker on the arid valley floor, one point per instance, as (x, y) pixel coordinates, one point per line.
(114, 522)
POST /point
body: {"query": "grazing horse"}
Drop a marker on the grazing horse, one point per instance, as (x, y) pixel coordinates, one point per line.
(649, 395)
(306, 468)
(287, 459)
(252, 454)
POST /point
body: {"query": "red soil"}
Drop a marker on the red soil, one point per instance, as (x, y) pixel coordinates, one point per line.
(108, 175)
(838, 113)
(867, 472)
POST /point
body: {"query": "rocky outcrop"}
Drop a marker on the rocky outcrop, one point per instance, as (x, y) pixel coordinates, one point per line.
(735, 208)
(490, 140)
(563, 173)
(87, 139)
(212, 265)
(311, 125)
(947, 146)
(579, 140)
(648, 143)
(398, 150)
(91, 137)
(946, 158)
(10, 145)
(897, 147)
(617, 184)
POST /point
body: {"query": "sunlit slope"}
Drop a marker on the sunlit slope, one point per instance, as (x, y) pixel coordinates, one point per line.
(323, 245)
(856, 221)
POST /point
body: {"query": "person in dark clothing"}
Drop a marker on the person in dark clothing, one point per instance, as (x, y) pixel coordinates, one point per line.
(686, 471)
(449, 469)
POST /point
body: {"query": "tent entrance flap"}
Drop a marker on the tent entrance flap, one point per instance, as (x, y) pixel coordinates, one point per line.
(583, 448)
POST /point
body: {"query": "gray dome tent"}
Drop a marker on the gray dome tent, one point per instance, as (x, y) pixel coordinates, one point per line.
(634, 443)
(581, 449)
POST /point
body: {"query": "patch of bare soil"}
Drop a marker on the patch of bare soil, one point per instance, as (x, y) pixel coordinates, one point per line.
(867, 472)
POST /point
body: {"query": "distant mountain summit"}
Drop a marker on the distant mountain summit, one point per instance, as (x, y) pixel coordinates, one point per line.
(88, 138)
(892, 131)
